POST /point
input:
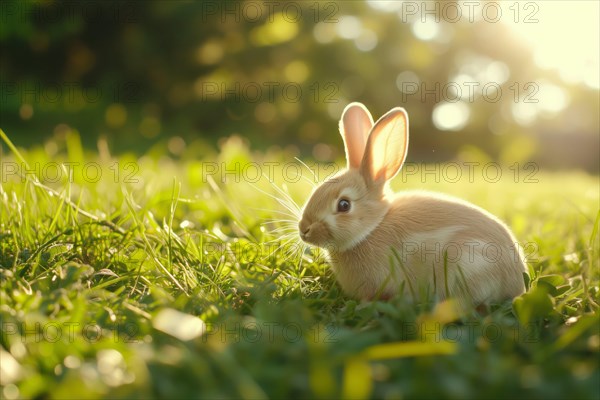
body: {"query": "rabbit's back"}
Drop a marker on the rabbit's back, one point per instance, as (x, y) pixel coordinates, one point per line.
(438, 242)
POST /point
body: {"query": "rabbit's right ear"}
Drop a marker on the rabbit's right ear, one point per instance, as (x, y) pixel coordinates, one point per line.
(386, 148)
(355, 125)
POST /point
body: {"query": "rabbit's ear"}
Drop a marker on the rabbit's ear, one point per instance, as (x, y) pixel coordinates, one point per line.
(387, 146)
(355, 124)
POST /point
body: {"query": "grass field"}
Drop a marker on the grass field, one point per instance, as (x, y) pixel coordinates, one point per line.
(154, 277)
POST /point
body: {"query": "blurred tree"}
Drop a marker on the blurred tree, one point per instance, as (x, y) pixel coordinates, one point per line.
(280, 73)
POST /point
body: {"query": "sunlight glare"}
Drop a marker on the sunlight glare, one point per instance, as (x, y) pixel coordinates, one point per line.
(566, 38)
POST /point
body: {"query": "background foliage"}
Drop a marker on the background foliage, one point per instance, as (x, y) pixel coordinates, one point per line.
(138, 73)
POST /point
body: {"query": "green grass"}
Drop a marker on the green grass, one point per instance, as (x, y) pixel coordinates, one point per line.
(108, 285)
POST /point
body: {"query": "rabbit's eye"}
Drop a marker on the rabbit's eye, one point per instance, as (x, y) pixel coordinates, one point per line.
(343, 205)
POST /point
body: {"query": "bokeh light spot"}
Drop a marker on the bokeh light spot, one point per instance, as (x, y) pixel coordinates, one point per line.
(322, 152)
(553, 99)
(150, 127)
(278, 30)
(310, 131)
(385, 5)
(210, 53)
(407, 81)
(26, 111)
(497, 72)
(324, 32)
(427, 30)
(115, 115)
(349, 27)
(265, 112)
(367, 40)
(524, 113)
(451, 116)
(420, 55)
(176, 145)
(296, 71)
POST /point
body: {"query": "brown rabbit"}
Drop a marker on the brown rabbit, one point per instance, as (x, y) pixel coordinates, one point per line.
(380, 242)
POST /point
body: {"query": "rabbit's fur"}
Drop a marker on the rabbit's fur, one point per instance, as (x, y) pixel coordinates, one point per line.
(420, 241)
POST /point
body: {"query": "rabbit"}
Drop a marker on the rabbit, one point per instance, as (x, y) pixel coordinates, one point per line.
(381, 244)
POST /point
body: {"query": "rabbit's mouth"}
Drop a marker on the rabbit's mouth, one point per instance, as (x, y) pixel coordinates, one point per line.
(315, 233)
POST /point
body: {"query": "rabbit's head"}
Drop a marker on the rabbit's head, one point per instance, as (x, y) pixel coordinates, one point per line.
(344, 209)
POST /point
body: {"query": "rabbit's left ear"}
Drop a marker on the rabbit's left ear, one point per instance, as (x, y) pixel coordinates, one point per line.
(386, 147)
(355, 124)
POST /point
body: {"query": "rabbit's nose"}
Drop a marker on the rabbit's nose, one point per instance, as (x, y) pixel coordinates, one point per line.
(304, 228)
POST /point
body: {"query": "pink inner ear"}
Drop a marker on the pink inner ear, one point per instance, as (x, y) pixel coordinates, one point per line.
(387, 146)
(355, 124)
